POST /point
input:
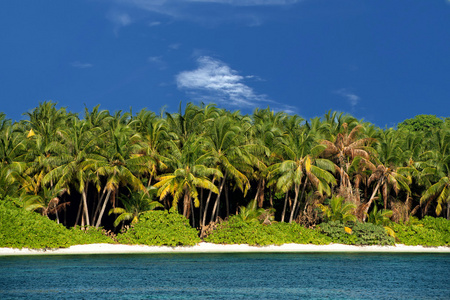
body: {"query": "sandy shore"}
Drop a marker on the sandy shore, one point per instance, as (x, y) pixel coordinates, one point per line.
(214, 248)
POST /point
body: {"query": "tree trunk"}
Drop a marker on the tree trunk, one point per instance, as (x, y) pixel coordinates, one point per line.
(86, 213)
(448, 210)
(192, 212)
(284, 207)
(294, 206)
(205, 212)
(259, 197)
(227, 203)
(366, 209)
(301, 197)
(97, 210)
(215, 211)
(78, 214)
(99, 220)
(186, 203)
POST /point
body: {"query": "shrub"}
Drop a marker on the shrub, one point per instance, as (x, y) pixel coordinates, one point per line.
(427, 232)
(158, 228)
(239, 231)
(23, 229)
(360, 233)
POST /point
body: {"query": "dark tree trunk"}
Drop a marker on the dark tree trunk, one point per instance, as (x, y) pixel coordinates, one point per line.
(284, 207)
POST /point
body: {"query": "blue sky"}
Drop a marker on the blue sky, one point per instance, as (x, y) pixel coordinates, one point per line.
(380, 60)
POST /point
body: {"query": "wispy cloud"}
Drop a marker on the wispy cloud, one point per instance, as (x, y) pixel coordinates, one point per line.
(207, 11)
(213, 80)
(119, 19)
(352, 98)
(174, 46)
(158, 62)
(80, 65)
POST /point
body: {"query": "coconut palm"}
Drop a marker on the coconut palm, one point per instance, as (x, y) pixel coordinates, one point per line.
(339, 210)
(190, 172)
(385, 178)
(345, 147)
(116, 160)
(440, 192)
(301, 165)
(46, 202)
(135, 204)
(224, 143)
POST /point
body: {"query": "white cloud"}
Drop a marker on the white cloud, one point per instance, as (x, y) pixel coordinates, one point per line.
(209, 12)
(80, 65)
(352, 98)
(157, 61)
(119, 19)
(215, 81)
(152, 24)
(174, 46)
(248, 2)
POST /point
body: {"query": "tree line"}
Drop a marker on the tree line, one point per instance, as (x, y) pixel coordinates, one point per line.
(205, 162)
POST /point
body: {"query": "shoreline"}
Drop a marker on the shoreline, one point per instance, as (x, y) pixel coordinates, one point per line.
(204, 247)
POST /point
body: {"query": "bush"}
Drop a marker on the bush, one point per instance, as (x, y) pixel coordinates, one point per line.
(427, 232)
(158, 228)
(23, 229)
(239, 231)
(360, 234)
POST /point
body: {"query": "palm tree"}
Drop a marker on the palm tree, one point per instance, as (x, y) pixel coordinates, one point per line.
(79, 142)
(135, 204)
(385, 178)
(224, 143)
(440, 192)
(190, 172)
(300, 165)
(339, 210)
(46, 202)
(116, 161)
(345, 147)
(153, 136)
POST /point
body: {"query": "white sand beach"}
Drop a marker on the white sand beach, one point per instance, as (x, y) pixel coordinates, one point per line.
(215, 248)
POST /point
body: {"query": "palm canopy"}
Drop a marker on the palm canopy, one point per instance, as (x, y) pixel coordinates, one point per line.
(190, 172)
(135, 204)
(439, 191)
(300, 165)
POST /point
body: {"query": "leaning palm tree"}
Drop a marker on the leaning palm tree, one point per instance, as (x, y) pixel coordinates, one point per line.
(385, 178)
(440, 192)
(46, 202)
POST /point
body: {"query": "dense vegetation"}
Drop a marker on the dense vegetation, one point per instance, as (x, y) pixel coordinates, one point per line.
(22, 229)
(109, 170)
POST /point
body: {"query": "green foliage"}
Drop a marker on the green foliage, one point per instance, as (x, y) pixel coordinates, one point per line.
(253, 214)
(427, 232)
(23, 229)
(338, 210)
(159, 228)
(239, 231)
(361, 233)
(421, 123)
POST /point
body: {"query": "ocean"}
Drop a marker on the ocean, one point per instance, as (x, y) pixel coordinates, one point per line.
(227, 276)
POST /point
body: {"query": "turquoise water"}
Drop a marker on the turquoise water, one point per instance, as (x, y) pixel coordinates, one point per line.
(227, 276)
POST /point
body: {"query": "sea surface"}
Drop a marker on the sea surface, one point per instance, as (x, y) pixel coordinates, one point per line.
(227, 276)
